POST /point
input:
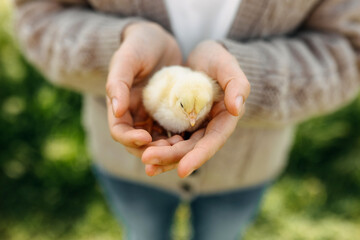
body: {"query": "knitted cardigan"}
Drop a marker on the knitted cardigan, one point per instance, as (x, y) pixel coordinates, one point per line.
(302, 58)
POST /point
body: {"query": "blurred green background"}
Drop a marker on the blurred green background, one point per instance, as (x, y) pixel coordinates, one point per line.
(47, 190)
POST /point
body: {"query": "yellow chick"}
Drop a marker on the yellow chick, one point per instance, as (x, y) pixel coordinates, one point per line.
(179, 99)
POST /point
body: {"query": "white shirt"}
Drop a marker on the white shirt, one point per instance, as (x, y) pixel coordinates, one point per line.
(193, 21)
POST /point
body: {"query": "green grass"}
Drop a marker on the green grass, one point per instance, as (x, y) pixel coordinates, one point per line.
(47, 190)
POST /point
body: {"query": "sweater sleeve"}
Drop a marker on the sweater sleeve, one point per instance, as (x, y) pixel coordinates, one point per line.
(312, 72)
(70, 43)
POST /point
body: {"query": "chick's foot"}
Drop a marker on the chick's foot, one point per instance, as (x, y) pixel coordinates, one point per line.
(150, 126)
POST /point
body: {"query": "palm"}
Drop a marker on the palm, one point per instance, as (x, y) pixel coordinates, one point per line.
(139, 118)
(188, 155)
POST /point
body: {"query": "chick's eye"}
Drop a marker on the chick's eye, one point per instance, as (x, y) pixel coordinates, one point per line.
(181, 105)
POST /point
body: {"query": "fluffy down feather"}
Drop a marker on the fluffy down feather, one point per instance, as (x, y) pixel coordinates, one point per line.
(179, 99)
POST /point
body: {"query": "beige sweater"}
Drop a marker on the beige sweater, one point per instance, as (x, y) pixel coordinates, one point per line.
(302, 58)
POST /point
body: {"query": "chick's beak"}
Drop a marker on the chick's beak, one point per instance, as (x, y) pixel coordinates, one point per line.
(192, 118)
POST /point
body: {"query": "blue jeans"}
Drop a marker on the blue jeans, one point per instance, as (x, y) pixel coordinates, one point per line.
(147, 213)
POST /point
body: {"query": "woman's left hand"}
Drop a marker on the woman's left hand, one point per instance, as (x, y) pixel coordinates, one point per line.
(188, 155)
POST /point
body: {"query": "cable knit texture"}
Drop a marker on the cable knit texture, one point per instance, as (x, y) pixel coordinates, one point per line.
(302, 59)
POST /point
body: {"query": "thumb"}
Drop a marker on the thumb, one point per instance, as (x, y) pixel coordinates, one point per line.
(233, 81)
(120, 79)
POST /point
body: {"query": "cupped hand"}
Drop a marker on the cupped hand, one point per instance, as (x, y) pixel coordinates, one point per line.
(146, 47)
(213, 59)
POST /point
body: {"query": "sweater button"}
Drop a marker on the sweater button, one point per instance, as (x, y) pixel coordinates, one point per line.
(186, 187)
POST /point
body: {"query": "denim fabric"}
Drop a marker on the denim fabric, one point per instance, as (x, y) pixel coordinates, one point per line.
(225, 216)
(147, 213)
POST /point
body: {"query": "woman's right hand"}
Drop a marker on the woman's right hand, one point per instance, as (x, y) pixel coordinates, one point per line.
(146, 48)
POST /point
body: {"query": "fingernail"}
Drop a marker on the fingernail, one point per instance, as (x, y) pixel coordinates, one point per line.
(115, 105)
(239, 103)
(155, 161)
(189, 173)
(139, 143)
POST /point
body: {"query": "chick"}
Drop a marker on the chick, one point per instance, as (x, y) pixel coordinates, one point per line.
(179, 99)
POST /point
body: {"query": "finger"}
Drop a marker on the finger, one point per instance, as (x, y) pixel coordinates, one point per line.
(153, 170)
(135, 151)
(123, 69)
(130, 137)
(122, 131)
(217, 108)
(175, 139)
(158, 143)
(233, 81)
(138, 151)
(219, 64)
(217, 132)
(167, 155)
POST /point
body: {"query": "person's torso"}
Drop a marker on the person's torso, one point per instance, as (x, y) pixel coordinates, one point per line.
(253, 19)
(196, 21)
(252, 155)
